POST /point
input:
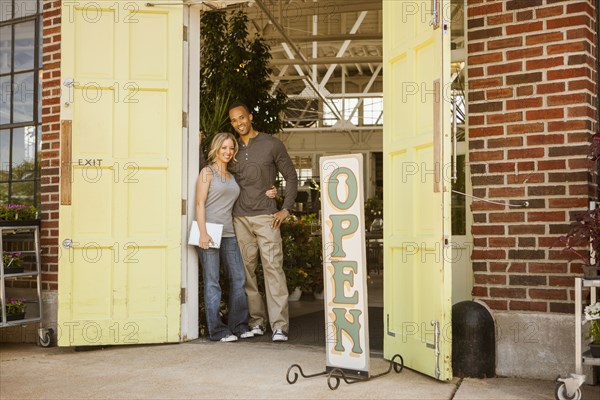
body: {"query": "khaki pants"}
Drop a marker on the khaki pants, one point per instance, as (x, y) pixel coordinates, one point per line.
(254, 235)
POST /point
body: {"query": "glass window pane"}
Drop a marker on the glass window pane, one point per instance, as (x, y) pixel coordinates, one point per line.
(372, 109)
(22, 193)
(23, 153)
(458, 204)
(5, 93)
(24, 46)
(5, 46)
(460, 117)
(40, 89)
(40, 41)
(6, 10)
(24, 8)
(40, 65)
(23, 98)
(3, 193)
(345, 107)
(348, 106)
(4, 154)
(38, 192)
(328, 116)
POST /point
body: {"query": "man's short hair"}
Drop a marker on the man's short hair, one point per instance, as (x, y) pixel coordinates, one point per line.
(238, 104)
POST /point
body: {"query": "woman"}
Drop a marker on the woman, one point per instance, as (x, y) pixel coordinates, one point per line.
(216, 192)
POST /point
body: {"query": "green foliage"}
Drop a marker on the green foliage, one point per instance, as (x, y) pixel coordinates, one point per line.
(12, 212)
(16, 305)
(373, 209)
(302, 254)
(11, 259)
(214, 120)
(297, 277)
(234, 65)
(592, 314)
(595, 331)
(23, 184)
(314, 252)
(295, 236)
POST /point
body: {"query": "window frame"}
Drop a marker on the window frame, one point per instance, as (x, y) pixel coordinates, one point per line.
(35, 120)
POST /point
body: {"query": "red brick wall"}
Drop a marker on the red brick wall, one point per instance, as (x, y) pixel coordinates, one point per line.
(531, 111)
(50, 143)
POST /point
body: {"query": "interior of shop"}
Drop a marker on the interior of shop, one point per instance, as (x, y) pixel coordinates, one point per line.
(327, 58)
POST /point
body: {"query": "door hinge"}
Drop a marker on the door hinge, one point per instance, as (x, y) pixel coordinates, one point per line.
(182, 296)
(183, 207)
(185, 33)
(184, 119)
(436, 347)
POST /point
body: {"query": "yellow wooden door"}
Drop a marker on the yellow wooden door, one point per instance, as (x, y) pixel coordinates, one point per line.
(417, 284)
(120, 213)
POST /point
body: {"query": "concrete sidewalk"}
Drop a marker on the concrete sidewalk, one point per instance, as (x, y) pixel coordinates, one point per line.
(207, 370)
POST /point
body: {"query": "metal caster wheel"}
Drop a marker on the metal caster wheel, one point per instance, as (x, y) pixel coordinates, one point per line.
(562, 393)
(46, 337)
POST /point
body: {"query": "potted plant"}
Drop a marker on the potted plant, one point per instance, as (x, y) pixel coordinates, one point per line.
(584, 233)
(592, 314)
(295, 237)
(315, 264)
(583, 239)
(12, 262)
(18, 214)
(15, 309)
(313, 251)
(297, 280)
(374, 213)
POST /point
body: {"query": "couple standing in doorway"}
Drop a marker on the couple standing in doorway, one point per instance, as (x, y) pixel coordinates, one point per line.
(235, 189)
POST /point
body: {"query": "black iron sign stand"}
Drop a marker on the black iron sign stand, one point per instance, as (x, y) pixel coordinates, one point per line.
(338, 374)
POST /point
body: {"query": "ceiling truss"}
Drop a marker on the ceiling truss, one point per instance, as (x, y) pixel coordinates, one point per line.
(328, 49)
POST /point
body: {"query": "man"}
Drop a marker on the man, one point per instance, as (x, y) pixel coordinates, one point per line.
(256, 220)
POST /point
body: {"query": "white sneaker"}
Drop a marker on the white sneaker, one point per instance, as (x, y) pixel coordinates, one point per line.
(229, 338)
(257, 330)
(247, 335)
(279, 336)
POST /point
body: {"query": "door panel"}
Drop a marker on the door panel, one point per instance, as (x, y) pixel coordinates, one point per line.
(119, 282)
(417, 279)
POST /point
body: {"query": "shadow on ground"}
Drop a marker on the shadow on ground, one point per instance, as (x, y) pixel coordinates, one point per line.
(309, 329)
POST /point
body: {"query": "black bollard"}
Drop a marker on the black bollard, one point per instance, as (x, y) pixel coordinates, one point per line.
(473, 341)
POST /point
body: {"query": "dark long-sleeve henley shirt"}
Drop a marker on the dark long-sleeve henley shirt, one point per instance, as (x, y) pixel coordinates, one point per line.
(256, 171)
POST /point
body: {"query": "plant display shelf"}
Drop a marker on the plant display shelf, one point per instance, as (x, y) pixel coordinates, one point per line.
(583, 357)
(569, 388)
(26, 234)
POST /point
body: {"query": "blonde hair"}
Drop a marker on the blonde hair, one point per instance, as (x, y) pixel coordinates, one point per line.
(216, 144)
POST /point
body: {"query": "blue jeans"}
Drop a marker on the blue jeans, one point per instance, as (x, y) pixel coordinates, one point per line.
(237, 320)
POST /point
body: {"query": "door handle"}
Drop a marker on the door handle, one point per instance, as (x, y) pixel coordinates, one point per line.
(69, 83)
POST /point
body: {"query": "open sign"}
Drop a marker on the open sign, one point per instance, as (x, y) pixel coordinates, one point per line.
(344, 264)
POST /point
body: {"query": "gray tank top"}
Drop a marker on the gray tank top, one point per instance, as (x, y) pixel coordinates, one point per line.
(222, 194)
